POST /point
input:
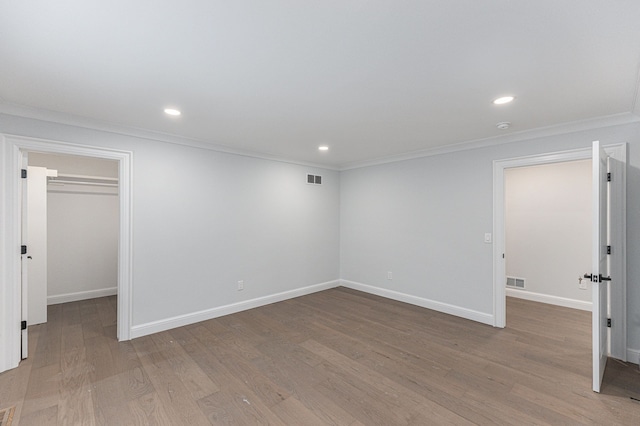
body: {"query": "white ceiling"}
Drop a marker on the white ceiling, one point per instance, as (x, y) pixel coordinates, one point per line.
(369, 78)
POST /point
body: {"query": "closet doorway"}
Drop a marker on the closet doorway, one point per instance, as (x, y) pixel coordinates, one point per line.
(72, 230)
(548, 233)
(617, 155)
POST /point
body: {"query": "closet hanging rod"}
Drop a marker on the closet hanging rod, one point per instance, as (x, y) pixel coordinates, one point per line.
(86, 177)
(79, 182)
(73, 179)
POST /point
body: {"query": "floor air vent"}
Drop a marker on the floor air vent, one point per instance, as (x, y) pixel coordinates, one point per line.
(514, 282)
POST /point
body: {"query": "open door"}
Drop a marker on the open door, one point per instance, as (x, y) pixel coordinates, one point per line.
(36, 216)
(24, 260)
(600, 268)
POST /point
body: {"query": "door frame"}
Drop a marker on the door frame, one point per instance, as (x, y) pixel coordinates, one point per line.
(618, 237)
(11, 152)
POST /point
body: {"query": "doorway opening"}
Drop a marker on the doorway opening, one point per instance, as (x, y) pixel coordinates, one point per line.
(72, 216)
(548, 249)
(548, 233)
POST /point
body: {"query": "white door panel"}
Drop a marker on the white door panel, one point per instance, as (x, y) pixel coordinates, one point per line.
(37, 244)
(600, 267)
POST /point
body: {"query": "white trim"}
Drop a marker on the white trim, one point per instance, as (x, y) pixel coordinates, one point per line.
(10, 156)
(93, 124)
(446, 308)
(10, 280)
(633, 355)
(540, 132)
(81, 295)
(7, 297)
(551, 300)
(207, 314)
(617, 151)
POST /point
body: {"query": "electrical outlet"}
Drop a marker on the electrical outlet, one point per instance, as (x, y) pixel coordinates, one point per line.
(240, 285)
(389, 275)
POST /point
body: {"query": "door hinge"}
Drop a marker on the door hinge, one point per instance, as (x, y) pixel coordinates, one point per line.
(23, 249)
(23, 325)
(609, 322)
(23, 173)
(608, 249)
(608, 177)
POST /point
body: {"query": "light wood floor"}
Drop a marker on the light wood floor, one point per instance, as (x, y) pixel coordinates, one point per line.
(335, 357)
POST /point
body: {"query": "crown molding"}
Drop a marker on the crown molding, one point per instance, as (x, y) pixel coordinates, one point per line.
(540, 132)
(25, 111)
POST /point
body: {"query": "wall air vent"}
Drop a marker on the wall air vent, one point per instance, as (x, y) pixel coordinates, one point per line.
(314, 179)
(514, 282)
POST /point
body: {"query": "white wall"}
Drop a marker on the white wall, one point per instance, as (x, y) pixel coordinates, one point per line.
(548, 231)
(425, 219)
(202, 220)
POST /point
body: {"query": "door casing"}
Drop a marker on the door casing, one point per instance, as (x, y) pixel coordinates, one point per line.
(12, 149)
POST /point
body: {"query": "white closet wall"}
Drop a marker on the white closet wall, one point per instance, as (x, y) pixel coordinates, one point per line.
(83, 244)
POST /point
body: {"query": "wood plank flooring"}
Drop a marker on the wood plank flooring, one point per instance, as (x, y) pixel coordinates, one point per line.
(338, 357)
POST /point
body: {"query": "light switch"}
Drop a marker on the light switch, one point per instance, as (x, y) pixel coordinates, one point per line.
(487, 237)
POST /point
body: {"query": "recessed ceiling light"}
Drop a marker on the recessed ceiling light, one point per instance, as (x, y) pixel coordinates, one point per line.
(172, 111)
(323, 148)
(503, 100)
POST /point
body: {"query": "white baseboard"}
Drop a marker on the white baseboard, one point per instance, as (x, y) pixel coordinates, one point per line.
(420, 301)
(207, 314)
(633, 355)
(551, 300)
(81, 295)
